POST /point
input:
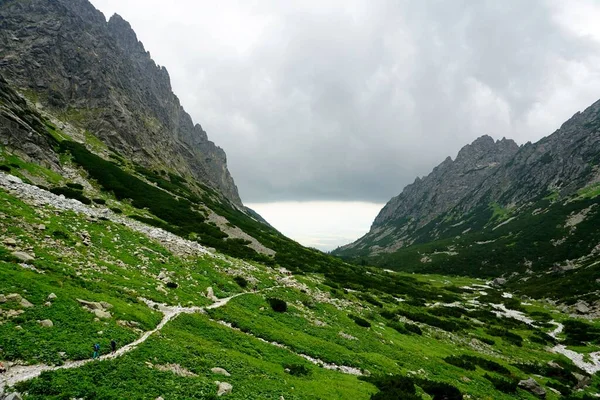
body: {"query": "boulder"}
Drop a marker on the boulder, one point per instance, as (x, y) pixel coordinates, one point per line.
(220, 371)
(223, 388)
(583, 381)
(105, 305)
(532, 386)
(14, 179)
(13, 396)
(10, 242)
(102, 314)
(22, 256)
(51, 296)
(210, 294)
(46, 323)
(13, 297)
(92, 305)
(25, 303)
(498, 282)
(3, 298)
(582, 307)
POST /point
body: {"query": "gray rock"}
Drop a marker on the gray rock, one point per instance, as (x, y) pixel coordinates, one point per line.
(13, 396)
(498, 282)
(13, 297)
(532, 386)
(25, 303)
(2, 298)
(92, 305)
(220, 371)
(582, 307)
(102, 314)
(223, 388)
(22, 256)
(46, 323)
(10, 242)
(583, 381)
(51, 296)
(14, 179)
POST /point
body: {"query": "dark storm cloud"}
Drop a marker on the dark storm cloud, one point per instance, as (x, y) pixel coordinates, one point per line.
(352, 100)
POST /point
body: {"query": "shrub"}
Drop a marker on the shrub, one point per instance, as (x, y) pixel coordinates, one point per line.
(277, 305)
(60, 235)
(506, 335)
(172, 285)
(393, 387)
(398, 327)
(75, 186)
(297, 369)
(360, 321)
(71, 194)
(5, 168)
(116, 210)
(460, 362)
(416, 329)
(241, 281)
(470, 362)
(99, 201)
(502, 384)
(440, 390)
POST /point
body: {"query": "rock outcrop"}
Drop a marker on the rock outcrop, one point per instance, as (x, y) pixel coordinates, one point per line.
(98, 75)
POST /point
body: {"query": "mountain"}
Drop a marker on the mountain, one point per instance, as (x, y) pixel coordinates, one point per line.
(529, 213)
(129, 269)
(98, 76)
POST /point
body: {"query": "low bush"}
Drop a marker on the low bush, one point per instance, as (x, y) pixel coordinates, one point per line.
(413, 328)
(75, 186)
(241, 281)
(398, 327)
(360, 321)
(116, 210)
(99, 201)
(297, 369)
(58, 234)
(71, 194)
(5, 168)
(579, 332)
(503, 384)
(172, 285)
(471, 362)
(506, 335)
(277, 305)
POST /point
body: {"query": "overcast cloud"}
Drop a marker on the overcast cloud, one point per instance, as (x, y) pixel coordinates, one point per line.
(350, 100)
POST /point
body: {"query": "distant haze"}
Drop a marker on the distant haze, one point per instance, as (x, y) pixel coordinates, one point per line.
(350, 100)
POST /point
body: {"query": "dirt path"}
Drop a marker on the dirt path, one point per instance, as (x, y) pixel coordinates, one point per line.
(22, 373)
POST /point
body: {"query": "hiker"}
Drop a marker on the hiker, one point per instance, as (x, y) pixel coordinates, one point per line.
(113, 345)
(2, 368)
(96, 350)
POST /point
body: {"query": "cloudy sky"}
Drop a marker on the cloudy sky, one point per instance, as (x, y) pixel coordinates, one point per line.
(328, 108)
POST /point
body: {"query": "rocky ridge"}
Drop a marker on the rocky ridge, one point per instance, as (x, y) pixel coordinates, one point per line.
(486, 174)
(65, 57)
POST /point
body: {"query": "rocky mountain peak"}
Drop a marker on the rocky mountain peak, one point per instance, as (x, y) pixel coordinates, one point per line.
(124, 35)
(485, 147)
(98, 75)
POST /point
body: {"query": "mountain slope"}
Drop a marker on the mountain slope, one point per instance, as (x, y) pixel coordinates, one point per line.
(98, 76)
(500, 209)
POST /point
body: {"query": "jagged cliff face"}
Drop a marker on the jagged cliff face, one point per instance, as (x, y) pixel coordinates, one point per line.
(487, 175)
(98, 75)
(449, 183)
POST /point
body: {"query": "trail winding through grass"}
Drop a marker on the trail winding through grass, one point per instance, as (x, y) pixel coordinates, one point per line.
(20, 373)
